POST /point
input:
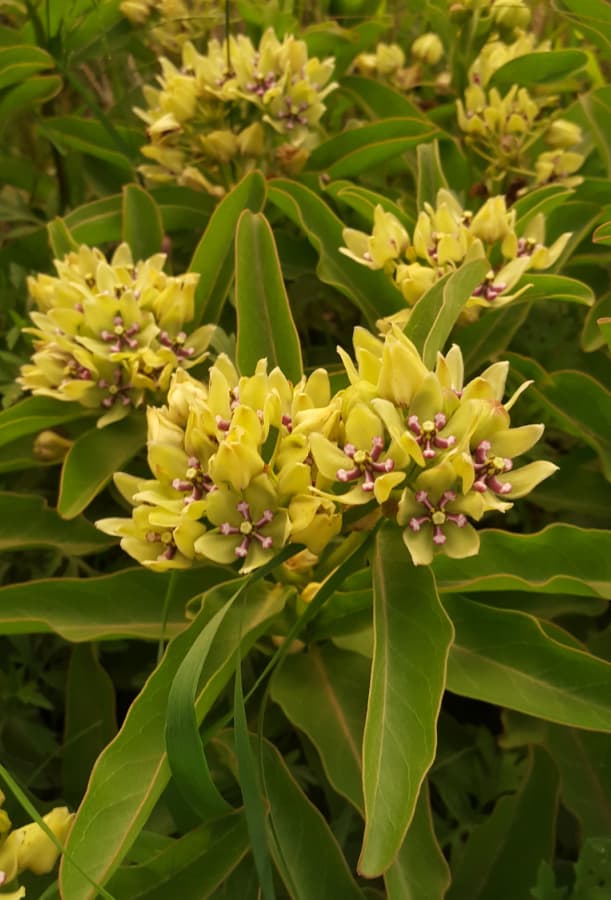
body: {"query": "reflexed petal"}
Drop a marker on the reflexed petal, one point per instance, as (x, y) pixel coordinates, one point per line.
(217, 547)
(515, 441)
(524, 480)
(460, 542)
(420, 545)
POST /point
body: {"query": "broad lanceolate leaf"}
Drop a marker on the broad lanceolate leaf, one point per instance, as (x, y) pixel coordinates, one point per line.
(420, 871)
(597, 107)
(35, 413)
(364, 201)
(378, 100)
(92, 138)
(91, 719)
(575, 400)
(94, 609)
(142, 225)
(27, 521)
(214, 256)
(352, 152)
(265, 324)
(539, 68)
(412, 635)
(372, 292)
(324, 693)
(555, 287)
(94, 458)
(591, 16)
(505, 657)
(435, 314)
(305, 851)
(503, 854)
(133, 770)
(430, 174)
(190, 867)
(560, 559)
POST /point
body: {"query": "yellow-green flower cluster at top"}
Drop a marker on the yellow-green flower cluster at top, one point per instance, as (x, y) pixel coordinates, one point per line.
(502, 127)
(170, 23)
(388, 63)
(234, 108)
(447, 236)
(109, 335)
(28, 848)
(244, 466)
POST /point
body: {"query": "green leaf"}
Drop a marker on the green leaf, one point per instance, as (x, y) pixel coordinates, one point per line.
(373, 292)
(94, 458)
(309, 860)
(364, 202)
(98, 222)
(265, 324)
(377, 100)
(435, 314)
(485, 339)
(597, 108)
(324, 694)
(591, 337)
(92, 138)
(94, 609)
(602, 234)
(34, 414)
(27, 521)
(576, 401)
(420, 871)
(352, 152)
(506, 658)
(60, 238)
(412, 635)
(36, 89)
(91, 720)
(559, 559)
(142, 225)
(254, 806)
(213, 258)
(190, 867)
(541, 200)
(503, 854)
(17, 63)
(592, 17)
(605, 328)
(131, 773)
(548, 67)
(183, 744)
(555, 287)
(430, 174)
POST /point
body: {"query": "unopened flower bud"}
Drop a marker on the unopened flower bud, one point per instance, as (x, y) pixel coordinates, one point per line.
(49, 446)
(563, 133)
(428, 48)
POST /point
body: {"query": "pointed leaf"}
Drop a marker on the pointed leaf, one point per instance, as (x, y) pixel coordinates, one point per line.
(142, 225)
(60, 238)
(546, 67)
(324, 693)
(352, 152)
(130, 775)
(434, 316)
(265, 324)
(94, 458)
(213, 258)
(560, 559)
(94, 609)
(373, 292)
(27, 521)
(35, 413)
(378, 100)
(309, 860)
(420, 871)
(430, 174)
(412, 635)
(506, 658)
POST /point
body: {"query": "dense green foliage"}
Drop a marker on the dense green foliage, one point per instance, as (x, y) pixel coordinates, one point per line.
(278, 622)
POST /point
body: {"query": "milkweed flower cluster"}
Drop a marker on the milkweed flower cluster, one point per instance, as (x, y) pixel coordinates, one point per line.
(171, 23)
(28, 848)
(245, 465)
(502, 127)
(445, 236)
(237, 106)
(109, 335)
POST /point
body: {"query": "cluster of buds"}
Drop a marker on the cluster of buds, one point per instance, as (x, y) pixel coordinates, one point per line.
(506, 14)
(388, 62)
(447, 236)
(502, 128)
(171, 23)
(109, 335)
(28, 848)
(233, 108)
(244, 466)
